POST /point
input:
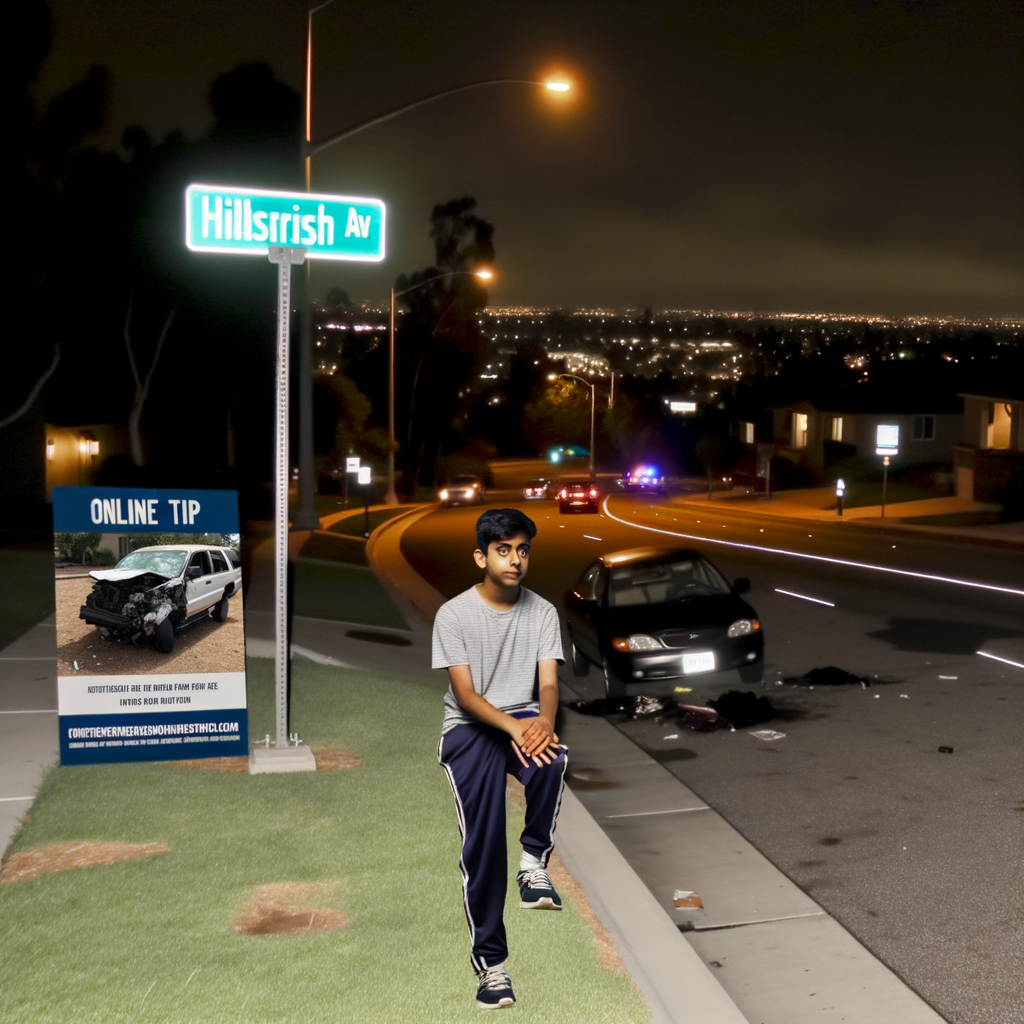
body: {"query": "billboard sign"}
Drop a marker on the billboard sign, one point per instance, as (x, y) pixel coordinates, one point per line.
(150, 634)
(246, 221)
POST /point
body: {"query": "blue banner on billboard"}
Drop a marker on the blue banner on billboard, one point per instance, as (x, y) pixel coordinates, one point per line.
(150, 631)
(145, 510)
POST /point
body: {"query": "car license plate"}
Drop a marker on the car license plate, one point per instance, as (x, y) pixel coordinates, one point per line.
(698, 661)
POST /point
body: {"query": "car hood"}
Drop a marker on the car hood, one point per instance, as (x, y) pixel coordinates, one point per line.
(699, 611)
(121, 575)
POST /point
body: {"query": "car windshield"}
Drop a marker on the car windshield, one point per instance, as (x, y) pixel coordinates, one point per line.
(535, 483)
(164, 563)
(462, 481)
(665, 583)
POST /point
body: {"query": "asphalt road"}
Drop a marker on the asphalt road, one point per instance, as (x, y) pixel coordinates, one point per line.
(918, 853)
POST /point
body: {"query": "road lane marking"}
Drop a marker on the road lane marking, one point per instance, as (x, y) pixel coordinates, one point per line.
(804, 597)
(995, 657)
(15, 799)
(818, 558)
(647, 814)
(587, 536)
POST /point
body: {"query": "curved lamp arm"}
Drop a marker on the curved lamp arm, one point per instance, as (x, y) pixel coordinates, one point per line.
(312, 148)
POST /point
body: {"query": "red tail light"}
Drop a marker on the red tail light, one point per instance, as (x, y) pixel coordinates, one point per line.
(563, 493)
(593, 492)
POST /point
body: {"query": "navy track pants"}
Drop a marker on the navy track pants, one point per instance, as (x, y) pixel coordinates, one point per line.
(476, 759)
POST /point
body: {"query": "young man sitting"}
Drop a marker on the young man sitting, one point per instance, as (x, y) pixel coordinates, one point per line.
(501, 645)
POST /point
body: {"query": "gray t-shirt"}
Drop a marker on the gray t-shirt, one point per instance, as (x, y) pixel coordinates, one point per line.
(501, 649)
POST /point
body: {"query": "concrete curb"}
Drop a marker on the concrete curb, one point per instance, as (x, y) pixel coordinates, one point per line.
(678, 988)
(675, 982)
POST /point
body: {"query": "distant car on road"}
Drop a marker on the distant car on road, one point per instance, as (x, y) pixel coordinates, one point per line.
(153, 591)
(643, 478)
(580, 495)
(540, 487)
(660, 613)
(462, 490)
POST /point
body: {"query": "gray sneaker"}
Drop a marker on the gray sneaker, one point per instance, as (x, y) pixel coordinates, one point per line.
(495, 989)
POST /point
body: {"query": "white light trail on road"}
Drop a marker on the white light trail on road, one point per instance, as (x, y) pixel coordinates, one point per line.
(995, 657)
(587, 536)
(817, 558)
(804, 597)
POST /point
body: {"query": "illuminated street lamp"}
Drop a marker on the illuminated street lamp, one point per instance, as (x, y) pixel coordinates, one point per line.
(306, 517)
(593, 393)
(482, 274)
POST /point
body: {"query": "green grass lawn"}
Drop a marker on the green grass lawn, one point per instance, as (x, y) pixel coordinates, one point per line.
(28, 595)
(151, 940)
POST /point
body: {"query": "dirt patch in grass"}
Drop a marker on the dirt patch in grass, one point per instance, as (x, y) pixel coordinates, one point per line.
(29, 864)
(607, 953)
(288, 908)
(328, 759)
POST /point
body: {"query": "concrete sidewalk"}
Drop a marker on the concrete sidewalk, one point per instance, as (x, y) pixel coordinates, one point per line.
(818, 505)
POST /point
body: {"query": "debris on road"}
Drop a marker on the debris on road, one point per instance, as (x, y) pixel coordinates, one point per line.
(683, 689)
(949, 677)
(768, 735)
(686, 898)
(671, 736)
(828, 676)
(743, 708)
(945, 750)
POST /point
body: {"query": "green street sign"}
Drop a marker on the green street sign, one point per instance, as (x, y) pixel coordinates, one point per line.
(249, 221)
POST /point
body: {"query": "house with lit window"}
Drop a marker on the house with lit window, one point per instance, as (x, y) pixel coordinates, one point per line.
(822, 430)
(988, 464)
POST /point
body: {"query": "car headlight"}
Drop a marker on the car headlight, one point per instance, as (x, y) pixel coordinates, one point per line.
(636, 642)
(744, 627)
(444, 495)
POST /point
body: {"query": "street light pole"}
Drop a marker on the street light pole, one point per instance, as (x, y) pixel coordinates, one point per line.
(593, 400)
(306, 517)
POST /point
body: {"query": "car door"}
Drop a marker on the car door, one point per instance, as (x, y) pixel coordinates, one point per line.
(583, 611)
(221, 572)
(199, 583)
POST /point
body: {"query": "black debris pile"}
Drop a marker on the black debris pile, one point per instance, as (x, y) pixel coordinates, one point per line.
(640, 706)
(828, 676)
(743, 708)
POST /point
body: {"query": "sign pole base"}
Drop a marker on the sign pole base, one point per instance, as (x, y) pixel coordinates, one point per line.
(273, 760)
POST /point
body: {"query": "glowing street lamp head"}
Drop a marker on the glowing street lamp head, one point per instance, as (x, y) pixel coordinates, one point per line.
(557, 86)
(483, 274)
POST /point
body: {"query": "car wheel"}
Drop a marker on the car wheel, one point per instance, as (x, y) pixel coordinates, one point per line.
(613, 687)
(751, 673)
(163, 636)
(580, 665)
(220, 610)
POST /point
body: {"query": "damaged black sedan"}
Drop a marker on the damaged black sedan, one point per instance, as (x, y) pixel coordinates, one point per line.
(651, 614)
(154, 591)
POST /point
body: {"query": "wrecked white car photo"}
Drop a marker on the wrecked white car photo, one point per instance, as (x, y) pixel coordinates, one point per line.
(154, 591)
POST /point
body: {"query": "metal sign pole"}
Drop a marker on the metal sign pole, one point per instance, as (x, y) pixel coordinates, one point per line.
(285, 258)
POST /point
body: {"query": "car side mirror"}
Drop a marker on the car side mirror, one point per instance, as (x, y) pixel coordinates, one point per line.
(194, 572)
(741, 585)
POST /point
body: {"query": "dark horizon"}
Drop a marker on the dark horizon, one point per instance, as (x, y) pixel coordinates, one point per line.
(862, 158)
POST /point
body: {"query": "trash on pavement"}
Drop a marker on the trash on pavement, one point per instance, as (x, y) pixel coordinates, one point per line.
(671, 736)
(906, 696)
(686, 898)
(768, 735)
(949, 677)
(683, 689)
(945, 750)
(828, 676)
(744, 708)
(702, 719)
(643, 707)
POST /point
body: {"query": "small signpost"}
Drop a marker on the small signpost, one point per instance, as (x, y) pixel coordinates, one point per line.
(887, 443)
(287, 228)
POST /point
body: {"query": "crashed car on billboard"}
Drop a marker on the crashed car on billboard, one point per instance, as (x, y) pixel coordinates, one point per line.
(154, 591)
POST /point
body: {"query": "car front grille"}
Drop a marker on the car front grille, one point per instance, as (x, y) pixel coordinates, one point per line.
(688, 637)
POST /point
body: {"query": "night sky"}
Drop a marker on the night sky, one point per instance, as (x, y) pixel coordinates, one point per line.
(828, 155)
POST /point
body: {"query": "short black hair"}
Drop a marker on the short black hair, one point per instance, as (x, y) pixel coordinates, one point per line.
(502, 524)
